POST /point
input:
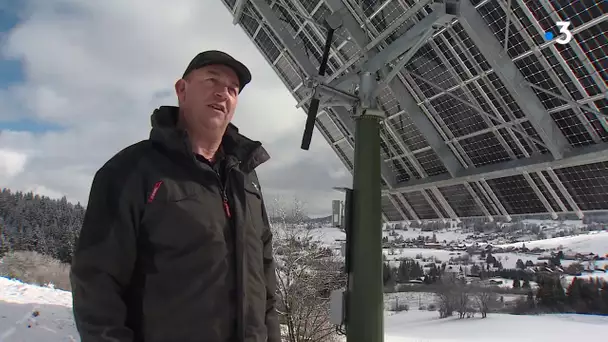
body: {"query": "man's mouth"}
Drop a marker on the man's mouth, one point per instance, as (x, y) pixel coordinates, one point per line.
(218, 107)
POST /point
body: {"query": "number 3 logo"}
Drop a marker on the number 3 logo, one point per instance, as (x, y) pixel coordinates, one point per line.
(563, 28)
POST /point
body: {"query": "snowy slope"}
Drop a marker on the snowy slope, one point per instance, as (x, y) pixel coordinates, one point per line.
(441, 235)
(329, 235)
(594, 242)
(30, 313)
(552, 223)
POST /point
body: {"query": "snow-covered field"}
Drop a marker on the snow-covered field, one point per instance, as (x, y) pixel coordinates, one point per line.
(555, 224)
(441, 235)
(424, 326)
(594, 242)
(30, 313)
(414, 300)
(329, 235)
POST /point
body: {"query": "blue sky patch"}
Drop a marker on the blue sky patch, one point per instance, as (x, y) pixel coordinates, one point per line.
(11, 71)
(29, 125)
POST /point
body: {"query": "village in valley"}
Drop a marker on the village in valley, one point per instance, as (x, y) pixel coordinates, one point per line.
(521, 267)
(529, 245)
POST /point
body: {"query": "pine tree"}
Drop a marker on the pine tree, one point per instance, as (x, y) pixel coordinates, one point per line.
(573, 293)
(520, 264)
(550, 294)
(590, 296)
(409, 269)
(559, 295)
(604, 298)
(388, 275)
(38, 223)
(475, 269)
(530, 300)
(516, 283)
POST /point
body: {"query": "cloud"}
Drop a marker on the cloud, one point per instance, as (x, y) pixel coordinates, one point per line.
(12, 163)
(97, 69)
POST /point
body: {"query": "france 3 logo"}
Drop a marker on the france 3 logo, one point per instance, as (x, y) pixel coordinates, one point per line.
(565, 35)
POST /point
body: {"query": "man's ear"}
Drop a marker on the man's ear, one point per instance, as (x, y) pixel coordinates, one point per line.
(180, 89)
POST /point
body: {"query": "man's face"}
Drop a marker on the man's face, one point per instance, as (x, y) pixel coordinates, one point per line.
(208, 98)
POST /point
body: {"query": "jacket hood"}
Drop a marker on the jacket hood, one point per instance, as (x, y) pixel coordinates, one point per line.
(166, 132)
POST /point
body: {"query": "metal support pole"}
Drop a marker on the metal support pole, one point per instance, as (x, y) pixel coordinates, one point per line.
(365, 308)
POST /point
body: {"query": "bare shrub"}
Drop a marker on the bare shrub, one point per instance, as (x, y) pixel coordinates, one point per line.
(455, 295)
(399, 305)
(447, 297)
(35, 268)
(462, 300)
(306, 272)
(486, 299)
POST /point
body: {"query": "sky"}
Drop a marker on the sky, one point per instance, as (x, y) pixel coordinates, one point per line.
(79, 80)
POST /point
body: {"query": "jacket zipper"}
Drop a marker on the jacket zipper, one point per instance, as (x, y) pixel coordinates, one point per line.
(223, 190)
(226, 204)
(239, 272)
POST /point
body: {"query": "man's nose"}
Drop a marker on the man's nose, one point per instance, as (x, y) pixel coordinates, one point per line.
(222, 92)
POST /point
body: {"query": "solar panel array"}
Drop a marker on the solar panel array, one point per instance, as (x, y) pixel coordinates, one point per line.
(489, 118)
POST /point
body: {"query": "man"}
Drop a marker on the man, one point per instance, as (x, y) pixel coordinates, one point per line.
(176, 244)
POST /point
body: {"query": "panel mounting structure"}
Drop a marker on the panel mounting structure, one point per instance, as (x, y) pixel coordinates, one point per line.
(487, 116)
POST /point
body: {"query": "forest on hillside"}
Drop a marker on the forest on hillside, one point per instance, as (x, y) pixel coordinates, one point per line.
(30, 222)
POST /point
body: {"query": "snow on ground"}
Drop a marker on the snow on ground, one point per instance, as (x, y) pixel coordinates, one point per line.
(594, 242)
(553, 224)
(441, 235)
(330, 236)
(31, 313)
(440, 254)
(424, 326)
(414, 300)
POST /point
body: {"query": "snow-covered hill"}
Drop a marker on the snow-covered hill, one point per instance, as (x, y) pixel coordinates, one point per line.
(594, 242)
(31, 313)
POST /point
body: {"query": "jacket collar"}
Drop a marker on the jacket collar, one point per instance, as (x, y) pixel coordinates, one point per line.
(166, 132)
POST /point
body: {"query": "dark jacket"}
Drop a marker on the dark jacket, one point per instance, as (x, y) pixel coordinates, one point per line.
(172, 250)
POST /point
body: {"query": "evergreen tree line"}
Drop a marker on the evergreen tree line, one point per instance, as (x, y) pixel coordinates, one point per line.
(30, 222)
(407, 271)
(582, 296)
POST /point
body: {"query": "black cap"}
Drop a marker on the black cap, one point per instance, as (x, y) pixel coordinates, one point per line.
(218, 57)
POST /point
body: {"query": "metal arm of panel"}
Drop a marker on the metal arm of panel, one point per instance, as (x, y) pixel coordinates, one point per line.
(580, 156)
(238, 11)
(513, 80)
(407, 43)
